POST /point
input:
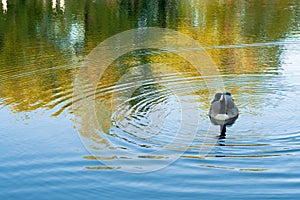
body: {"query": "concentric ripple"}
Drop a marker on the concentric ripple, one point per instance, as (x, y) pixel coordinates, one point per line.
(145, 114)
(148, 116)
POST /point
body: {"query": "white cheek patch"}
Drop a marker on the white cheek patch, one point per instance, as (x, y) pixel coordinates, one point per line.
(221, 117)
(221, 98)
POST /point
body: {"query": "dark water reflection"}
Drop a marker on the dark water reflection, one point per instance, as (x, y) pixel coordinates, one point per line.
(254, 44)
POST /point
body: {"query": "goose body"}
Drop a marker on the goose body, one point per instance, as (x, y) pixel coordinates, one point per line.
(223, 111)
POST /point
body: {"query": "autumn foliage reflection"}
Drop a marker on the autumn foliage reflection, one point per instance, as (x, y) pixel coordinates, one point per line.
(42, 43)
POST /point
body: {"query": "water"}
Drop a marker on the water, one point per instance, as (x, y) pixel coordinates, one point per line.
(141, 129)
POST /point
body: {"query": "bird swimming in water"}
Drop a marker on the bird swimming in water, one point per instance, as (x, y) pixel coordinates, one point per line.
(223, 111)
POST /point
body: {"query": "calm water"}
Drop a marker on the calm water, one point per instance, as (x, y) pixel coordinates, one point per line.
(141, 130)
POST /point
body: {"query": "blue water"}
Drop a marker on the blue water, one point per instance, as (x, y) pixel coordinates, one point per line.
(37, 165)
(44, 153)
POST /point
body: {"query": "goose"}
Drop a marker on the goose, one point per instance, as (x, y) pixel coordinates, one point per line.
(223, 111)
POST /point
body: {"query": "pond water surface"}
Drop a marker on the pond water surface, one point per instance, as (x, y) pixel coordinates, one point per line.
(141, 129)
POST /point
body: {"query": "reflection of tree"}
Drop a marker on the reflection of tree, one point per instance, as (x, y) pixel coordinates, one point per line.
(37, 52)
(40, 46)
(235, 22)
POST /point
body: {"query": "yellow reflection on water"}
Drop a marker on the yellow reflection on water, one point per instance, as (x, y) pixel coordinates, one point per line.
(100, 168)
(38, 54)
(232, 168)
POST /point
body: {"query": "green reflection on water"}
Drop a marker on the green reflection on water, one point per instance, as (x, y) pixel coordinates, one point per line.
(42, 44)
